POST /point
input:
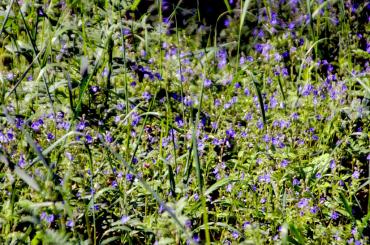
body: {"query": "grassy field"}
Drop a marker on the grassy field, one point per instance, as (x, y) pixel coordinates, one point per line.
(121, 129)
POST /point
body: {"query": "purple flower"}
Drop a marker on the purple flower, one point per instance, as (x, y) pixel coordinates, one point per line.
(196, 197)
(284, 163)
(227, 22)
(296, 182)
(135, 119)
(179, 122)
(94, 89)
(303, 203)
(69, 156)
(248, 117)
(81, 125)
(264, 178)
(246, 224)
(334, 215)
(230, 133)
(19, 122)
(114, 184)
(246, 92)
(37, 124)
(196, 238)
(217, 102)
(332, 164)
(48, 218)
(22, 161)
(237, 86)
(50, 136)
(108, 137)
(356, 174)
(188, 101)
(260, 124)
(315, 137)
(242, 60)
(207, 83)
(88, 138)
(235, 235)
(314, 209)
(147, 96)
(307, 90)
(124, 219)
(129, 177)
(70, 223)
(273, 102)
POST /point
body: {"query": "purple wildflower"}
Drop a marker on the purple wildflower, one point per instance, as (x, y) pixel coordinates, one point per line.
(303, 203)
(147, 96)
(356, 174)
(230, 133)
(124, 219)
(129, 177)
(334, 215)
(296, 182)
(284, 163)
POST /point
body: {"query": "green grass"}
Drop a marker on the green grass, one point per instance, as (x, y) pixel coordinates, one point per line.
(115, 132)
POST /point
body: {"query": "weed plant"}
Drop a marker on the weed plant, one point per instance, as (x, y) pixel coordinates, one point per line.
(121, 130)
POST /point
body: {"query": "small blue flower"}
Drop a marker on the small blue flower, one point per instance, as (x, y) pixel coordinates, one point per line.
(334, 215)
(356, 174)
(303, 203)
(70, 223)
(22, 161)
(235, 234)
(147, 96)
(207, 83)
(314, 209)
(124, 219)
(296, 182)
(332, 164)
(129, 177)
(230, 133)
(284, 163)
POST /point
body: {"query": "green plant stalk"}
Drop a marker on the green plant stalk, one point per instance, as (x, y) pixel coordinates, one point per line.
(199, 169)
(41, 65)
(110, 45)
(6, 17)
(91, 165)
(244, 6)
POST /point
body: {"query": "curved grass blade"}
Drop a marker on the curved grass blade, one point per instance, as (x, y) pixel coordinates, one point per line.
(55, 144)
(257, 86)
(218, 184)
(6, 17)
(84, 81)
(25, 73)
(26, 178)
(110, 45)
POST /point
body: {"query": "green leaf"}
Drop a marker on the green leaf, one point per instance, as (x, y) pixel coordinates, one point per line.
(218, 184)
(26, 178)
(346, 205)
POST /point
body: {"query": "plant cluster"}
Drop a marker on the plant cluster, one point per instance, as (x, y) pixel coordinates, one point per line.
(117, 130)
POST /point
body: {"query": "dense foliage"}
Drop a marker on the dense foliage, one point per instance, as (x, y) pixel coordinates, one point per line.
(121, 127)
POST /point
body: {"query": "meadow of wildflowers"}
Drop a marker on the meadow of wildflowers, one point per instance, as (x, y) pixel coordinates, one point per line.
(166, 122)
